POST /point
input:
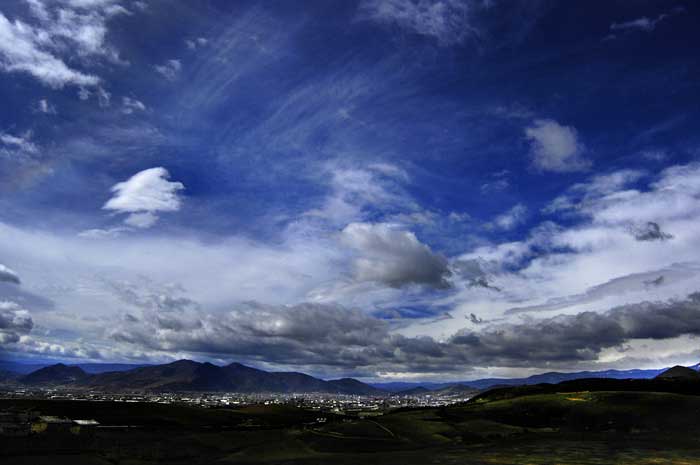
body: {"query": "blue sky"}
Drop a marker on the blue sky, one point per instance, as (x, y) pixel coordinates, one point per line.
(389, 189)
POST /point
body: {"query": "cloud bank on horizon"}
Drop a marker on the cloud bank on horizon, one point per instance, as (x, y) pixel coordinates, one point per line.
(387, 189)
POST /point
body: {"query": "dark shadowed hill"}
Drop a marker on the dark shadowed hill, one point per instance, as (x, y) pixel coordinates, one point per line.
(456, 390)
(353, 386)
(679, 372)
(416, 391)
(55, 374)
(187, 375)
(674, 385)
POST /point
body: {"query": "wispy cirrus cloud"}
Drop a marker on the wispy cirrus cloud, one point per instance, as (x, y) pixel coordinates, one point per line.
(644, 23)
(449, 22)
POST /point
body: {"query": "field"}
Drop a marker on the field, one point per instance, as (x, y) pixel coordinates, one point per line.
(553, 428)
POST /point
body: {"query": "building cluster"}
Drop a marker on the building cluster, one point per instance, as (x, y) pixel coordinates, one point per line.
(343, 404)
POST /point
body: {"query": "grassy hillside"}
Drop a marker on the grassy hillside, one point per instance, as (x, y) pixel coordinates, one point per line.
(577, 427)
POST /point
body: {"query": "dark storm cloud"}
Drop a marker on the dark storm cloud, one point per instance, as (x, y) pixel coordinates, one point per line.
(582, 336)
(394, 257)
(325, 335)
(562, 338)
(311, 334)
(14, 321)
(7, 275)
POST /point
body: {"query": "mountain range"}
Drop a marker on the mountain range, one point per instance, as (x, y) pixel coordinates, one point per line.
(187, 375)
(553, 377)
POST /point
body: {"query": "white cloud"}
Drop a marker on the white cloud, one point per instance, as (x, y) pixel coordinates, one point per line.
(510, 219)
(354, 191)
(83, 93)
(104, 98)
(170, 69)
(21, 143)
(194, 44)
(580, 196)
(495, 186)
(141, 220)
(555, 147)
(103, 233)
(130, 105)
(20, 51)
(42, 50)
(447, 21)
(609, 200)
(393, 256)
(44, 106)
(644, 23)
(144, 194)
(657, 155)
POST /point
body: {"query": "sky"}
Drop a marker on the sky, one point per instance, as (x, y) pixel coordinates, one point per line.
(384, 189)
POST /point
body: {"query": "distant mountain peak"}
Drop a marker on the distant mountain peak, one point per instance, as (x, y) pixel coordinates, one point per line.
(184, 361)
(679, 372)
(55, 374)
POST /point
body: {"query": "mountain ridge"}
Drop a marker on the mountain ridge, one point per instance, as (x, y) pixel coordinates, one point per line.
(188, 375)
(551, 377)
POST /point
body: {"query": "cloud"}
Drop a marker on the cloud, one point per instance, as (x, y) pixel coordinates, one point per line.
(7, 275)
(22, 143)
(657, 155)
(498, 185)
(510, 219)
(585, 196)
(21, 159)
(555, 147)
(194, 44)
(170, 69)
(40, 49)
(349, 339)
(14, 321)
(141, 220)
(650, 232)
(356, 193)
(644, 24)
(636, 282)
(568, 338)
(609, 200)
(20, 53)
(97, 233)
(253, 331)
(446, 21)
(130, 105)
(144, 194)
(394, 257)
(104, 98)
(44, 106)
